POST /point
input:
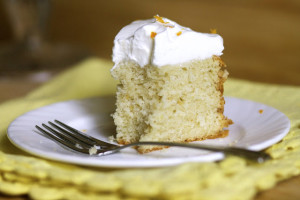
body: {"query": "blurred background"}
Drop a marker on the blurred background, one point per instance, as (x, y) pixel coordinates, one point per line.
(261, 37)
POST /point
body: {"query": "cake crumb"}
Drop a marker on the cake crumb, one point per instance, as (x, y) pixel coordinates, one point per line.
(93, 150)
(84, 130)
(112, 139)
(261, 111)
(153, 34)
(178, 33)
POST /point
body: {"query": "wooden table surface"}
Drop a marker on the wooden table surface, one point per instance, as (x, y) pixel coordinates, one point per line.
(261, 38)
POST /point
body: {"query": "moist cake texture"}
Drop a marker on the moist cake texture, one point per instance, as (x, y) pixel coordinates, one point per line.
(161, 100)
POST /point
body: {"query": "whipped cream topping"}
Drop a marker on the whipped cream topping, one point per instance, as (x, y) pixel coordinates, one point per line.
(160, 41)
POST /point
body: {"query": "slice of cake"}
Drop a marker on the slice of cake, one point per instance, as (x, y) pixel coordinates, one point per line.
(171, 84)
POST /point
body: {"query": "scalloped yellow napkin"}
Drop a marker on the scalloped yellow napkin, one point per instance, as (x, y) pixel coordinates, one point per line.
(232, 178)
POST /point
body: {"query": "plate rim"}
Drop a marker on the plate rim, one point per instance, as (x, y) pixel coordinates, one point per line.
(214, 156)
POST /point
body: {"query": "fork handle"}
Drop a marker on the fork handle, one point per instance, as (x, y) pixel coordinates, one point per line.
(257, 156)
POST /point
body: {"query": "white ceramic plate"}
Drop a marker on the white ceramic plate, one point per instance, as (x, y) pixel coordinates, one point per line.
(251, 130)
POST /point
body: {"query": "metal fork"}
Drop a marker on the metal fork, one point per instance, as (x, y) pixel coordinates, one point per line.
(81, 142)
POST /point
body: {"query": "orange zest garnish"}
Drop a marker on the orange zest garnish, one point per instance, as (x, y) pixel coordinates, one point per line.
(160, 19)
(178, 33)
(261, 111)
(213, 31)
(153, 34)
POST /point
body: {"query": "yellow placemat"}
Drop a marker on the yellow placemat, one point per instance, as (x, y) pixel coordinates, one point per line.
(232, 178)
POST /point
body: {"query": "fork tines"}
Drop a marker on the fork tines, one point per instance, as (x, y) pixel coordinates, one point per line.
(72, 138)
